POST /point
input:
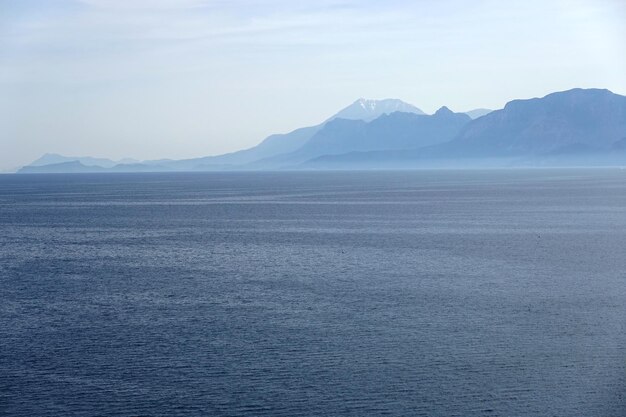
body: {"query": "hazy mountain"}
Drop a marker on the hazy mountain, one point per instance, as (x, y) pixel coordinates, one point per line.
(52, 158)
(575, 127)
(584, 127)
(396, 131)
(62, 167)
(590, 119)
(476, 113)
(78, 167)
(272, 145)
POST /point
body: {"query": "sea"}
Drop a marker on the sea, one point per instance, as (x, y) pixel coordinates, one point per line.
(400, 293)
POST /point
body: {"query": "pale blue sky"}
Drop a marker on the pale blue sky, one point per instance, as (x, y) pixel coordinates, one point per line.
(151, 79)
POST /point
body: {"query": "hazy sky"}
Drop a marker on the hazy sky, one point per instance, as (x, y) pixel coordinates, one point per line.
(181, 78)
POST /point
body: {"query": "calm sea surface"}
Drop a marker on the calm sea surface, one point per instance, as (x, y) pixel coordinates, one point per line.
(434, 293)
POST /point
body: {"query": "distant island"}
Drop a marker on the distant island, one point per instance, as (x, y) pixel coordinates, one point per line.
(578, 127)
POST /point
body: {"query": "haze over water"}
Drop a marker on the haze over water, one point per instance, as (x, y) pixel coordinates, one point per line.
(434, 293)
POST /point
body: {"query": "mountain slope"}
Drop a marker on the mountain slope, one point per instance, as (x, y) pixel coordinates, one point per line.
(396, 131)
(591, 118)
(272, 145)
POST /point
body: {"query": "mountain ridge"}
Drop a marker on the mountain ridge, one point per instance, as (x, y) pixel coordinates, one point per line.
(585, 125)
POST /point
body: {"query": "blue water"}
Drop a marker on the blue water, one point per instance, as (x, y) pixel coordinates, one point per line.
(434, 293)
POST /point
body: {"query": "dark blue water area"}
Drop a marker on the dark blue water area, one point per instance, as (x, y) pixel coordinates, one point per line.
(423, 293)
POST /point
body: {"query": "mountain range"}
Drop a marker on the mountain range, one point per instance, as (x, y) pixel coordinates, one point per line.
(53, 159)
(574, 127)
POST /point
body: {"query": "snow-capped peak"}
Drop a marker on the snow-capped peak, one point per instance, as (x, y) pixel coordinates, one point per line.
(368, 109)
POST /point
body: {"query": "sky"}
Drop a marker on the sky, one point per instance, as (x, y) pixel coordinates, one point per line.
(151, 79)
